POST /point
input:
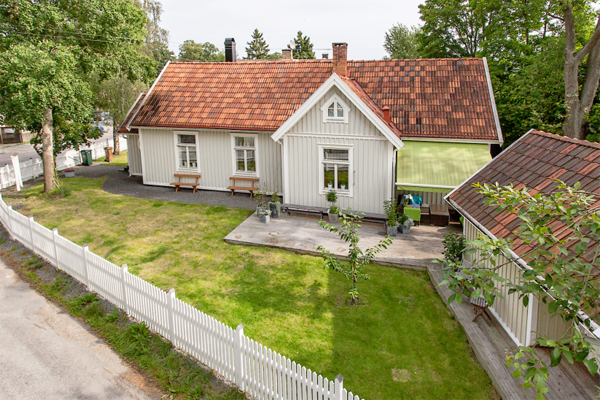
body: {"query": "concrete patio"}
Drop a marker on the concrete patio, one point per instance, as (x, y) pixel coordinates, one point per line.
(303, 235)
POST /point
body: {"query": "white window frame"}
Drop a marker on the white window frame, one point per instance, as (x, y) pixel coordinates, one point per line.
(323, 190)
(234, 156)
(177, 167)
(335, 118)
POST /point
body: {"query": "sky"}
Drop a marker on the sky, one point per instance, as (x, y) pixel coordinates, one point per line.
(361, 24)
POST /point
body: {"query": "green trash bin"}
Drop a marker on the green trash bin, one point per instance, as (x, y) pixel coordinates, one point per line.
(86, 157)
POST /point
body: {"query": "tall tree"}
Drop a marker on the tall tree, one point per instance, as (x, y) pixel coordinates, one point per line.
(192, 51)
(156, 42)
(115, 96)
(578, 102)
(50, 49)
(303, 48)
(401, 42)
(257, 47)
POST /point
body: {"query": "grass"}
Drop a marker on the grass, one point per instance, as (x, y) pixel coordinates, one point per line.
(120, 160)
(178, 375)
(401, 343)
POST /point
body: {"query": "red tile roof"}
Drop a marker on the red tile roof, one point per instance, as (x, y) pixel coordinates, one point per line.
(535, 162)
(428, 98)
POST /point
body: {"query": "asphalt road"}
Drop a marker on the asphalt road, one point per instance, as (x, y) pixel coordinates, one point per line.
(26, 150)
(47, 354)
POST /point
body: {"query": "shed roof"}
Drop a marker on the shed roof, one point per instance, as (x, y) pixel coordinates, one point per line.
(433, 98)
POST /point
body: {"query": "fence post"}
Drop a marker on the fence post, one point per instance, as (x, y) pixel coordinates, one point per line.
(170, 306)
(31, 233)
(124, 287)
(339, 387)
(86, 275)
(238, 362)
(54, 236)
(15, 162)
(10, 227)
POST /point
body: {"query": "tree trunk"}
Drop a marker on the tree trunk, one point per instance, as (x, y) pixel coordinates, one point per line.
(116, 141)
(47, 151)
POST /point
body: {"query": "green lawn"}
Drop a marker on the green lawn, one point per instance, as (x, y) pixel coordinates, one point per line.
(402, 344)
(121, 159)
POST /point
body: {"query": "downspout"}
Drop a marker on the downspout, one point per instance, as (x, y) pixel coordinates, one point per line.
(394, 172)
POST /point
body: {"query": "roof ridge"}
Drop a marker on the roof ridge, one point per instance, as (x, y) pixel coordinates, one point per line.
(582, 142)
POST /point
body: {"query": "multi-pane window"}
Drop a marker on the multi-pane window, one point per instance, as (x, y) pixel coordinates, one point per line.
(186, 151)
(336, 169)
(335, 111)
(244, 149)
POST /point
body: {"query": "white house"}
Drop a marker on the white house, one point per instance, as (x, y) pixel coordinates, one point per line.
(367, 129)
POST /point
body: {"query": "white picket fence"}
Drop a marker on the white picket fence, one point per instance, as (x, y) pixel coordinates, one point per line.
(254, 368)
(33, 168)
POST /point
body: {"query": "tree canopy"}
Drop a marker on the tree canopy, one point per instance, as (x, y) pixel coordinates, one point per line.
(257, 48)
(192, 51)
(303, 48)
(401, 42)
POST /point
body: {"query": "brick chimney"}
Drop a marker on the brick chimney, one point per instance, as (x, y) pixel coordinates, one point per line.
(386, 113)
(286, 54)
(340, 58)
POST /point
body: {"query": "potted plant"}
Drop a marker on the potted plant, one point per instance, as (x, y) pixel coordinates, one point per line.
(261, 202)
(333, 211)
(275, 205)
(264, 215)
(69, 173)
(405, 223)
(391, 213)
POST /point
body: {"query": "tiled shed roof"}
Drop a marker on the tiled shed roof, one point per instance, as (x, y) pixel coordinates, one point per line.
(127, 120)
(428, 98)
(535, 162)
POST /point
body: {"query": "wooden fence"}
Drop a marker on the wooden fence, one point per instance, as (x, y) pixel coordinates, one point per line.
(254, 368)
(33, 168)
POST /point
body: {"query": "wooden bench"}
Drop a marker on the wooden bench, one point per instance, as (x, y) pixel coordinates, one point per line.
(233, 187)
(179, 183)
(289, 208)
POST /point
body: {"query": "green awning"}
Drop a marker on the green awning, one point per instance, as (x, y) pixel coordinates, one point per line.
(438, 167)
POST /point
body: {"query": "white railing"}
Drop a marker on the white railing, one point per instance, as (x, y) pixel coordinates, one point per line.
(254, 368)
(33, 168)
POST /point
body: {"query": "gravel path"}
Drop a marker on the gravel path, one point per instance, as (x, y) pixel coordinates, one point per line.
(119, 182)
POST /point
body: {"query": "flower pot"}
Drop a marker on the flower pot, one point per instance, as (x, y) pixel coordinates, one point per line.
(259, 209)
(403, 229)
(275, 207)
(69, 173)
(392, 230)
(332, 217)
(264, 216)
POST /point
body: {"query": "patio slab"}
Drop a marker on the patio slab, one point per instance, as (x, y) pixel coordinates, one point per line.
(303, 235)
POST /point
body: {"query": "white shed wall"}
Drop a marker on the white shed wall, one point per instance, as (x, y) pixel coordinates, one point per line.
(134, 156)
(371, 165)
(510, 311)
(215, 158)
(358, 124)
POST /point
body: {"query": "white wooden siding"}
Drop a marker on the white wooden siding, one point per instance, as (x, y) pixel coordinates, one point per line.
(509, 310)
(372, 159)
(215, 158)
(550, 325)
(358, 124)
(134, 156)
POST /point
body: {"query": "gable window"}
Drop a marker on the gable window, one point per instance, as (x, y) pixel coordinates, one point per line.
(335, 110)
(187, 152)
(245, 154)
(336, 169)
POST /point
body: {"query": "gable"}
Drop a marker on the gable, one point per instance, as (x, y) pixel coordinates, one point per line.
(312, 122)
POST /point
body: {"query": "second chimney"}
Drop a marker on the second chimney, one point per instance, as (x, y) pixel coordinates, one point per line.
(340, 58)
(286, 54)
(230, 55)
(386, 113)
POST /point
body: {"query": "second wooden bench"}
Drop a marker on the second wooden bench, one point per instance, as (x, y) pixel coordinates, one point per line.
(234, 187)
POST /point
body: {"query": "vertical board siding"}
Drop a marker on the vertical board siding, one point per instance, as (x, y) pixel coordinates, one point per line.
(510, 309)
(260, 371)
(215, 159)
(358, 124)
(370, 165)
(551, 325)
(134, 154)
